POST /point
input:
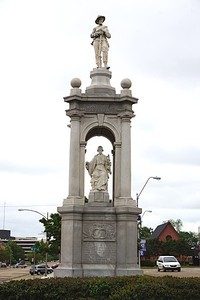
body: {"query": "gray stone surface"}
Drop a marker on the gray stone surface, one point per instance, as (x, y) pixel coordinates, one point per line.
(95, 196)
(98, 241)
(100, 84)
(99, 238)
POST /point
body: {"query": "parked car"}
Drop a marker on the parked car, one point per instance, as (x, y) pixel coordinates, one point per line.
(20, 265)
(54, 266)
(40, 270)
(3, 265)
(168, 263)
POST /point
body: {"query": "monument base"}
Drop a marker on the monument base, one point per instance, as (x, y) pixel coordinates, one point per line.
(65, 271)
(98, 239)
(95, 271)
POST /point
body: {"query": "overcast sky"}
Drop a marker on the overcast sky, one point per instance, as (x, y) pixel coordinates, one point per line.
(44, 44)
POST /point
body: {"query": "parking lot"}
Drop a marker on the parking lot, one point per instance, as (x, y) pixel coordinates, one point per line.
(8, 274)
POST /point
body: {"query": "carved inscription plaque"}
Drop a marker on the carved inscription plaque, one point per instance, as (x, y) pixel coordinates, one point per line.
(99, 243)
(103, 108)
(99, 252)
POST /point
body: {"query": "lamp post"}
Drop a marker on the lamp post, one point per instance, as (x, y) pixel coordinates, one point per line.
(138, 194)
(149, 211)
(137, 200)
(140, 227)
(46, 218)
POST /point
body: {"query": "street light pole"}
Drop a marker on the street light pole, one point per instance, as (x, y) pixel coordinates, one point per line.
(150, 211)
(137, 201)
(37, 212)
(46, 218)
(138, 194)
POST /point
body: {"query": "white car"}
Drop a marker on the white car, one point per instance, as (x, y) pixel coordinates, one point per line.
(168, 263)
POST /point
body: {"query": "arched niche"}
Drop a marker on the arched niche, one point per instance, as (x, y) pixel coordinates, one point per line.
(93, 141)
(101, 131)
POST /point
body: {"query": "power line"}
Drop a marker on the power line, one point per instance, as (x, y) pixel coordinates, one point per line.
(28, 205)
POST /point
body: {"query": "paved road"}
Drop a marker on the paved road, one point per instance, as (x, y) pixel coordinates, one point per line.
(8, 274)
(185, 272)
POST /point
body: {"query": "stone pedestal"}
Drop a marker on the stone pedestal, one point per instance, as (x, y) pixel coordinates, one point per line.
(98, 241)
(98, 198)
(100, 83)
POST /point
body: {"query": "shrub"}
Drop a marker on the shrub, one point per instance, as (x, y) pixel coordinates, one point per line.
(102, 288)
(147, 263)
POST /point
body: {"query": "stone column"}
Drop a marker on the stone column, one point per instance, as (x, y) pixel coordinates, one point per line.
(82, 168)
(74, 164)
(125, 164)
(117, 171)
(126, 158)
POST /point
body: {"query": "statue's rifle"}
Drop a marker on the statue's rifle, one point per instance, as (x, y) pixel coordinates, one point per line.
(99, 50)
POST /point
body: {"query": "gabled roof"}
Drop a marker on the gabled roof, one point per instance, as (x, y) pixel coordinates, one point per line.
(159, 229)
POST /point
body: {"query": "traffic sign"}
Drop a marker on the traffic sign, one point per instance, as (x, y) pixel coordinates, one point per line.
(143, 245)
(34, 249)
(142, 253)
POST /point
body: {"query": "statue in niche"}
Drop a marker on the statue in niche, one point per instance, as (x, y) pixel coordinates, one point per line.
(99, 169)
(100, 35)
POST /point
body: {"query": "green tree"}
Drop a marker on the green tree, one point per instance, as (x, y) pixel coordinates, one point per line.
(154, 247)
(170, 247)
(16, 251)
(35, 257)
(9, 254)
(145, 232)
(191, 238)
(53, 231)
(4, 255)
(40, 250)
(188, 243)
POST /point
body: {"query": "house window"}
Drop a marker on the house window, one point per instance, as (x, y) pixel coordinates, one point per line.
(168, 238)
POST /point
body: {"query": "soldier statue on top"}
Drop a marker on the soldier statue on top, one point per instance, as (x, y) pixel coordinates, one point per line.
(100, 35)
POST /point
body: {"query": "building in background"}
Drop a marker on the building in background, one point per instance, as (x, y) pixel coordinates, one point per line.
(25, 242)
(165, 232)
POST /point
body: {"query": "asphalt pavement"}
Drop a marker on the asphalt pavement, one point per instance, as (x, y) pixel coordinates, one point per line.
(185, 272)
(8, 274)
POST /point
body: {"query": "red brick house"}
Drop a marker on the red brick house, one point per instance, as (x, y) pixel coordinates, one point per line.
(165, 232)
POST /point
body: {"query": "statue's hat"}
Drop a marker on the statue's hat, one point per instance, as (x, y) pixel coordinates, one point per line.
(99, 17)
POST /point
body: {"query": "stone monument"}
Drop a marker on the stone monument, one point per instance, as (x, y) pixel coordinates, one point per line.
(99, 238)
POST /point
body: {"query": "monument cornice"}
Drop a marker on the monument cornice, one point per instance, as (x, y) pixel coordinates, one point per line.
(107, 108)
(126, 115)
(74, 113)
(101, 98)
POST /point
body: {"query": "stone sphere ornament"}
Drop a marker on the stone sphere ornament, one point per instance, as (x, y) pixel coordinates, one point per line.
(126, 83)
(76, 83)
